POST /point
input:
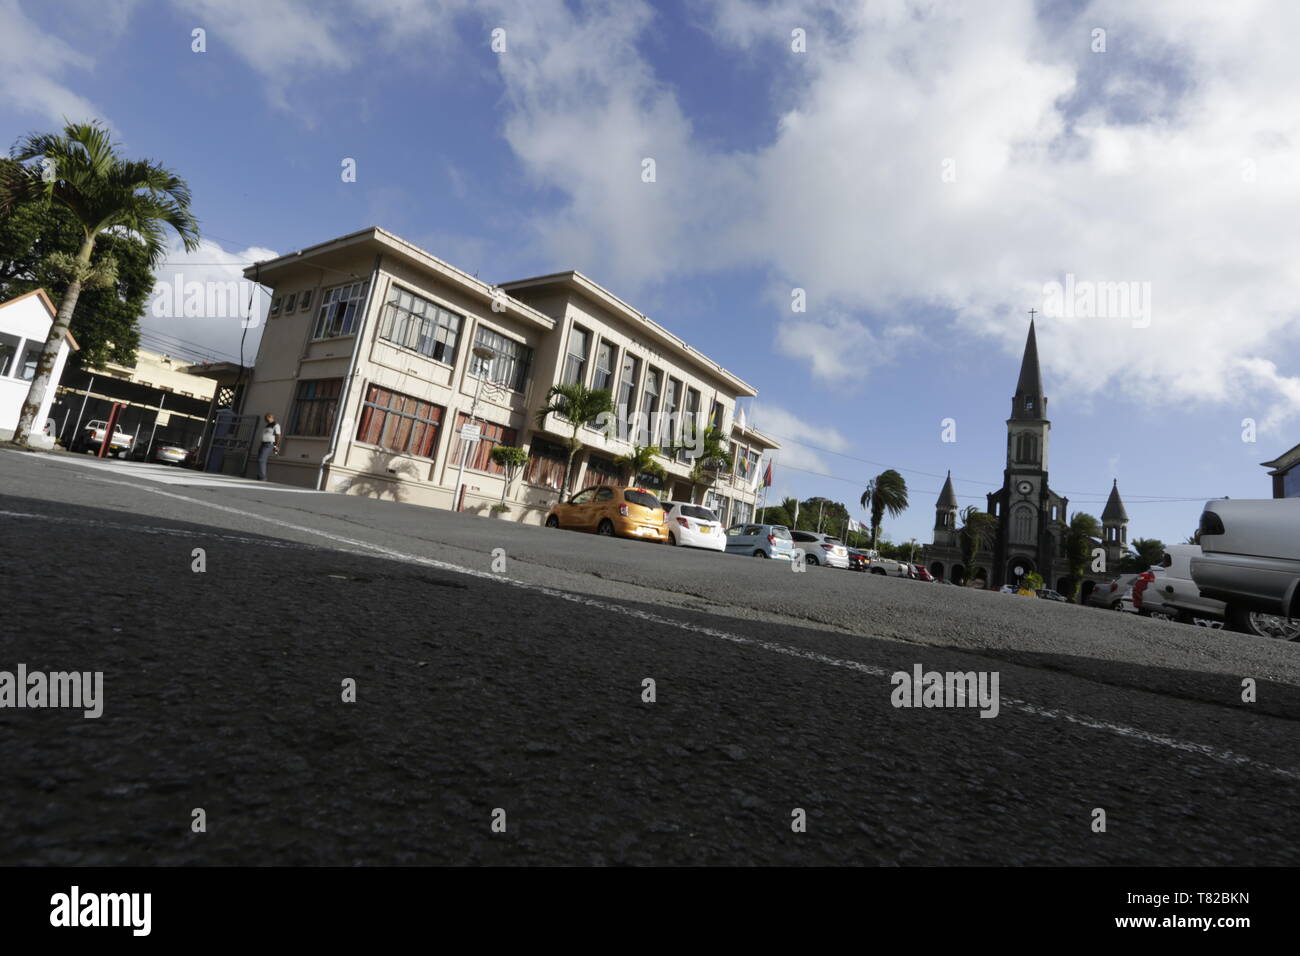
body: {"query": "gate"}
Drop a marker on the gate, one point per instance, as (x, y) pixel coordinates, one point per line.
(231, 443)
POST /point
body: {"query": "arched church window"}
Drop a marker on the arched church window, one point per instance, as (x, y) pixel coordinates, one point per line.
(1022, 526)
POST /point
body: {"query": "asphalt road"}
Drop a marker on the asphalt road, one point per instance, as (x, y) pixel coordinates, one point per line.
(521, 690)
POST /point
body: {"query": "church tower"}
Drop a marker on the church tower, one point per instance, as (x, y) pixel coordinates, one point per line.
(1030, 516)
(945, 516)
(1114, 529)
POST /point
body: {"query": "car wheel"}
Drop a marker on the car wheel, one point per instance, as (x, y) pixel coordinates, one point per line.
(878, 571)
(606, 527)
(811, 559)
(1117, 606)
(1273, 626)
(760, 554)
(672, 539)
(552, 521)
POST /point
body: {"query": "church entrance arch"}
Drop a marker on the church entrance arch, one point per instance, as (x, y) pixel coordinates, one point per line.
(1017, 568)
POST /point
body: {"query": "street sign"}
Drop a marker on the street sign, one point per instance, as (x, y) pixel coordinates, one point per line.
(471, 432)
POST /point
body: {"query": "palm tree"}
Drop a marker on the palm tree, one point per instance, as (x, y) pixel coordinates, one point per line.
(576, 404)
(976, 533)
(712, 456)
(642, 461)
(1150, 552)
(887, 492)
(1079, 542)
(81, 170)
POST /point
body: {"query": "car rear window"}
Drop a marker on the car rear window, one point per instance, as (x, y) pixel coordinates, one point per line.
(779, 531)
(641, 498)
(694, 511)
(830, 540)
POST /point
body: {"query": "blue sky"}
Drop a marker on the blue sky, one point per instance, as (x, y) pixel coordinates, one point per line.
(921, 170)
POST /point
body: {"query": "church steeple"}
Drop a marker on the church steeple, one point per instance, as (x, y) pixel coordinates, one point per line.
(945, 509)
(1114, 510)
(1029, 403)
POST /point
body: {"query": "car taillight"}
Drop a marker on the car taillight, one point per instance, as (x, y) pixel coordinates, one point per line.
(828, 547)
(684, 523)
(771, 539)
(622, 509)
(1211, 523)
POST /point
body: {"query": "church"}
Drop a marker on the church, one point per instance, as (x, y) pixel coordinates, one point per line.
(1031, 519)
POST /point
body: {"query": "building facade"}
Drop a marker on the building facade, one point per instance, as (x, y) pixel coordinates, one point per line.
(25, 322)
(1285, 472)
(1031, 522)
(368, 358)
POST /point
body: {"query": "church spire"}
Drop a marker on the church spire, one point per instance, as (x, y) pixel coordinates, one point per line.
(1114, 510)
(1029, 404)
(947, 497)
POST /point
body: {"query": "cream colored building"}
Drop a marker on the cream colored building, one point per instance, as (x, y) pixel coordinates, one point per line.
(367, 360)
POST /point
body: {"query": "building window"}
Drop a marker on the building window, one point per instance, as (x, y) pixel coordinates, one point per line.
(715, 416)
(690, 423)
(314, 407)
(480, 452)
(275, 306)
(400, 423)
(1022, 526)
(9, 345)
(511, 365)
(305, 304)
(1026, 448)
(603, 377)
(290, 301)
(575, 358)
(672, 396)
(602, 471)
(625, 408)
(30, 358)
(743, 512)
(338, 310)
(649, 431)
(546, 464)
(415, 323)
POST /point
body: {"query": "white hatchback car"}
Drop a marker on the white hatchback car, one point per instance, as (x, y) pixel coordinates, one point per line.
(694, 526)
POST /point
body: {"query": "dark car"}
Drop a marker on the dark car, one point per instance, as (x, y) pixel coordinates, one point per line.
(1047, 594)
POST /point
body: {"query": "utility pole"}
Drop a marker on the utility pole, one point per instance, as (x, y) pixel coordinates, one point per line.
(821, 508)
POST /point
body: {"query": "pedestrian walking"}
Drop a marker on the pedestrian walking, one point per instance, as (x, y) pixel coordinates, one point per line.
(270, 443)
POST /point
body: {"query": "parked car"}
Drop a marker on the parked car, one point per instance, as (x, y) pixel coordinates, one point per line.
(612, 510)
(694, 526)
(1173, 595)
(1112, 594)
(922, 573)
(821, 549)
(170, 453)
(1008, 589)
(859, 560)
(1047, 594)
(892, 567)
(761, 541)
(1250, 560)
(92, 437)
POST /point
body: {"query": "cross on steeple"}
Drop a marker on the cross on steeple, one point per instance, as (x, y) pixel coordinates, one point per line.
(1032, 313)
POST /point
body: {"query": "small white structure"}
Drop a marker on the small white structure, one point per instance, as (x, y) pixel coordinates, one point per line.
(24, 324)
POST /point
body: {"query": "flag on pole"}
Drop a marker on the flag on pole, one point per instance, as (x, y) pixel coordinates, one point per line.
(767, 476)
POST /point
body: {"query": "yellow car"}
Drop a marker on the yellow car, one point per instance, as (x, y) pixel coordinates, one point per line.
(611, 510)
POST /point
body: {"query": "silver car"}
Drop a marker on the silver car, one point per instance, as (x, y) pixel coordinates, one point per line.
(1250, 560)
(821, 549)
(1174, 595)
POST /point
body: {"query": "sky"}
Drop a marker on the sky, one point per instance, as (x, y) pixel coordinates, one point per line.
(854, 206)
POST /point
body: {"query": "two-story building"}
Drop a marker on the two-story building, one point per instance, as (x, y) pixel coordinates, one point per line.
(369, 360)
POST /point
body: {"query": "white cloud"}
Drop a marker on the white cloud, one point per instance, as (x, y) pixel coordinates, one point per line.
(201, 302)
(802, 443)
(1120, 166)
(35, 63)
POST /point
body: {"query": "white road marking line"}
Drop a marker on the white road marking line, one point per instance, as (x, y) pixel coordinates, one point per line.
(1131, 733)
(178, 476)
(169, 532)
